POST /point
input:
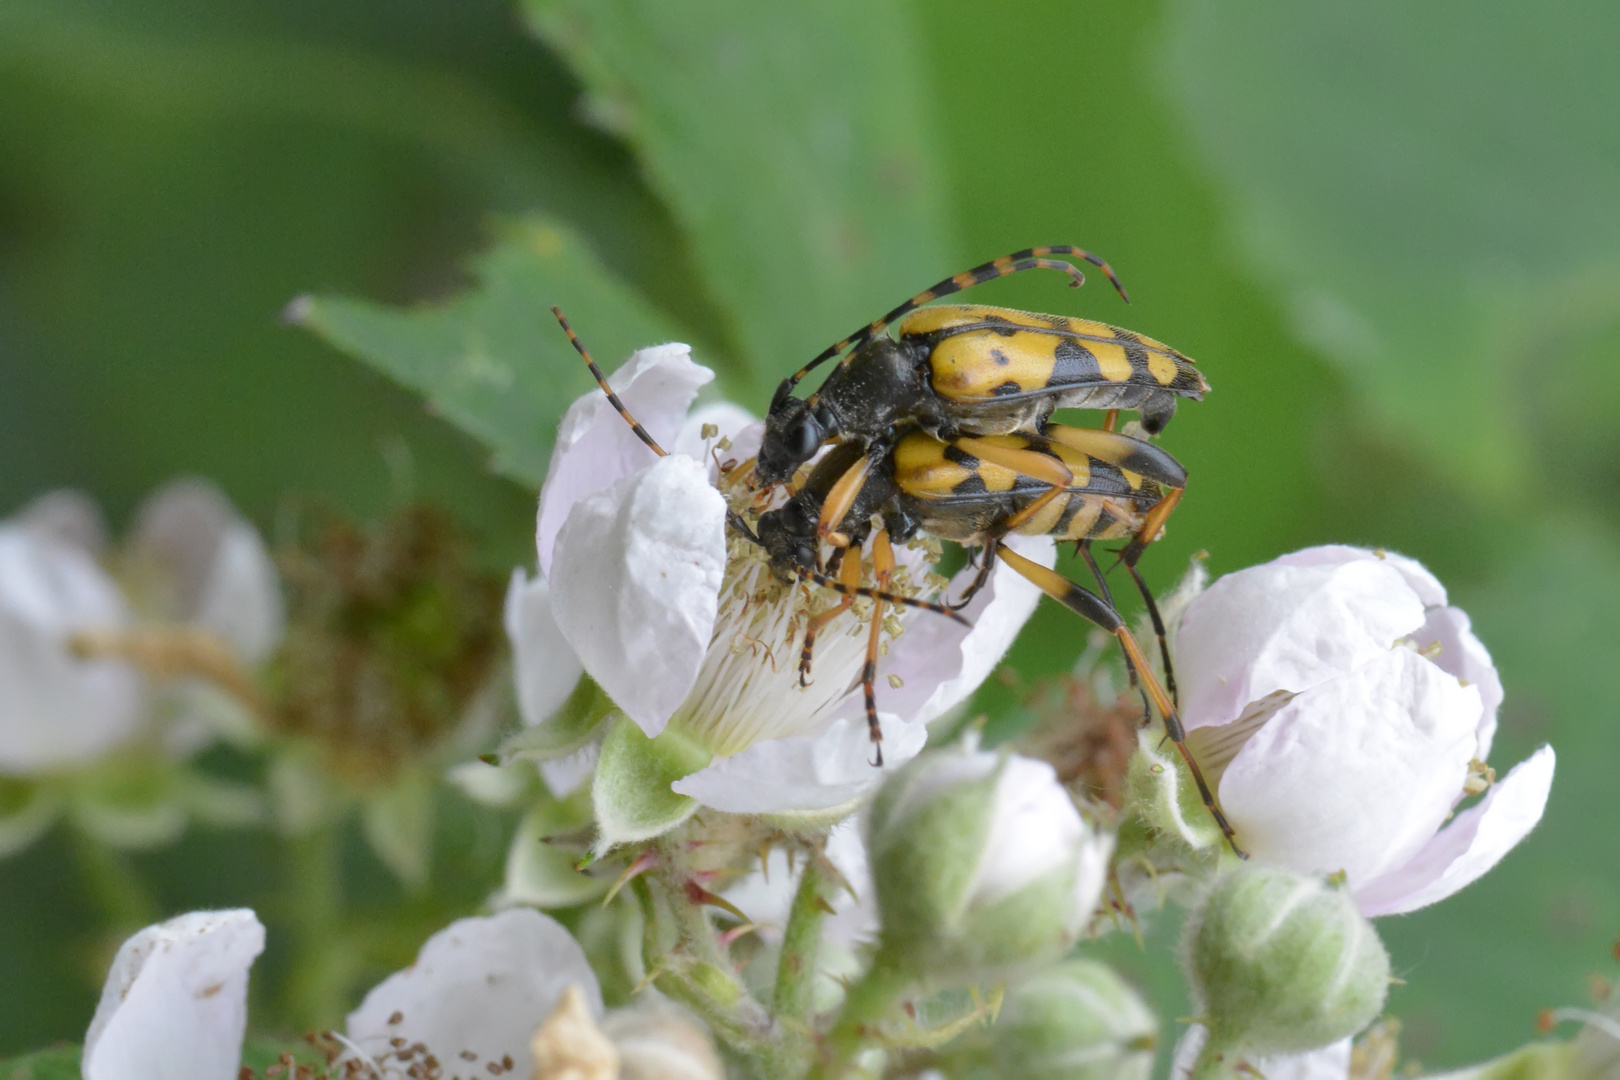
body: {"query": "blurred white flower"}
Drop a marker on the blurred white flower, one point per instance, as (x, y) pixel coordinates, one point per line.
(981, 860)
(1344, 710)
(194, 560)
(175, 1002)
(641, 586)
(57, 710)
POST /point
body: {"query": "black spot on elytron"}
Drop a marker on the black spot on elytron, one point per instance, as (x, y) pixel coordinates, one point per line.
(1074, 365)
(957, 456)
(1010, 388)
(1001, 358)
(972, 485)
(1136, 353)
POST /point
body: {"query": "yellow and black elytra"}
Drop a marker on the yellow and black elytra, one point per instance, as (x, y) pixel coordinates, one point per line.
(1087, 485)
(970, 369)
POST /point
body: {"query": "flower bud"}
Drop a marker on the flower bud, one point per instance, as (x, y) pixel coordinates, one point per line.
(980, 861)
(1074, 1021)
(1282, 963)
(658, 1041)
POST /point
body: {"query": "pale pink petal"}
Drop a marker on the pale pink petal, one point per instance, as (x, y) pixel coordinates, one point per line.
(480, 985)
(57, 710)
(1474, 842)
(636, 585)
(1425, 584)
(595, 447)
(1329, 1063)
(175, 1003)
(1286, 628)
(1357, 773)
(1462, 654)
(939, 661)
(544, 666)
(803, 773)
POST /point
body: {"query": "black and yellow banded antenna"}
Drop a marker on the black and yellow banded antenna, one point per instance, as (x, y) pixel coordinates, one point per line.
(1035, 258)
(732, 517)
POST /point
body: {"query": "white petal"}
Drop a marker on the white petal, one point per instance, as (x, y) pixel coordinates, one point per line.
(803, 773)
(204, 564)
(595, 446)
(566, 775)
(66, 516)
(1425, 584)
(1463, 655)
(57, 710)
(939, 661)
(1474, 842)
(1329, 1063)
(636, 584)
(766, 896)
(1282, 627)
(480, 985)
(544, 665)
(241, 597)
(175, 1003)
(1357, 773)
(1034, 828)
(729, 421)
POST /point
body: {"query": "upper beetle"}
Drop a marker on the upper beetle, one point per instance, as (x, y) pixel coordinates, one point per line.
(976, 370)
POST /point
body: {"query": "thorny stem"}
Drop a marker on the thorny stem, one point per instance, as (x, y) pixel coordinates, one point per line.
(868, 1004)
(801, 941)
(696, 971)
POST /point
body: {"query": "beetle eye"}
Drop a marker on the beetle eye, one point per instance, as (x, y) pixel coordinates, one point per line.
(803, 437)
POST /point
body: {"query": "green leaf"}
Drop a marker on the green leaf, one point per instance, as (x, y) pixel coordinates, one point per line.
(1430, 193)
(60, 1063)
(398, 825)
(789, 141)
(631, 794)
(493, 361)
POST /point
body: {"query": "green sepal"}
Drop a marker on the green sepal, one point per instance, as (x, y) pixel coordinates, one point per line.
(631, 794)
(1162, 795)
(543, 873)
(567, 730)
(398, 826)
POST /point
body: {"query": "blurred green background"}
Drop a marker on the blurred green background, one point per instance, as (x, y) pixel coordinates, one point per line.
(1390, 233)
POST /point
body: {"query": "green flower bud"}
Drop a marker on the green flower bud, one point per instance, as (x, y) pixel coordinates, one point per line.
(1074, 1021)
(980, 861)
(1282, 963)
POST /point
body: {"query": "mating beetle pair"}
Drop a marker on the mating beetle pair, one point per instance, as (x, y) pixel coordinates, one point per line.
(946, 432)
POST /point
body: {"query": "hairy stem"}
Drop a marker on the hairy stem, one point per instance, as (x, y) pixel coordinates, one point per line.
(869, 1002)
(801, 942)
